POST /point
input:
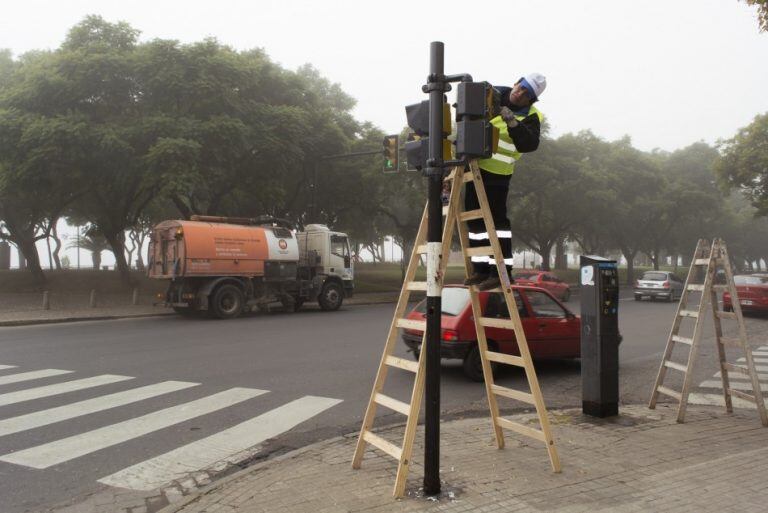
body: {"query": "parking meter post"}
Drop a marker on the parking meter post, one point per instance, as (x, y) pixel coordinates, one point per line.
(434, 173)
(599, 290)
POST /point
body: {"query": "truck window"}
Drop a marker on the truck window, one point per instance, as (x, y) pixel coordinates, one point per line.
(339, 246)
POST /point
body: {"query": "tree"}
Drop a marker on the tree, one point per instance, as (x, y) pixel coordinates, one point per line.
(762, 13)
(744, 163)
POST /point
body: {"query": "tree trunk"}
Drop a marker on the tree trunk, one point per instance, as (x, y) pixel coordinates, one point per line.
(561, 260)
(57, 240)
(630, 266)
(546, 252)
(96, 259)
(29, 250)
(655, 259)
(50, 254)
(117, 244)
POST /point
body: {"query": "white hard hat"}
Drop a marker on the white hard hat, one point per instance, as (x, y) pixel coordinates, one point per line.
(536, 83)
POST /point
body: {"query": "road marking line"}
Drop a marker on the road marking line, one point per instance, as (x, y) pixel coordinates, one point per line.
(60, 388)
(3, 367)
(759, 368)
(759, 353)
(28, 376)
(718, 400)
(59, 451)
(223, 447)
(756, 360)
(738, 376)
(106, 402)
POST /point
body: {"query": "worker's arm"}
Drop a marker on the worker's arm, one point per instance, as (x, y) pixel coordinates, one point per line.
(526, 134)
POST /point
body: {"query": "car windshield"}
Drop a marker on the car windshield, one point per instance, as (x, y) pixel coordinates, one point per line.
(453, 301)
(654, 276)
(525, 276)
(750, 280)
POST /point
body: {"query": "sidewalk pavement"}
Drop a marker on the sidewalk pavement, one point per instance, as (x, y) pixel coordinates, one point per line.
(640, 461)
(26, 309)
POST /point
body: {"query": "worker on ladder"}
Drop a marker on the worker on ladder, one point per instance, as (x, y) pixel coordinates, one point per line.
(519, 125)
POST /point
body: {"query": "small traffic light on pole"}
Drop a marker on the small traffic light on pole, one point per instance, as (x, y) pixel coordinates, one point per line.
(391, 150)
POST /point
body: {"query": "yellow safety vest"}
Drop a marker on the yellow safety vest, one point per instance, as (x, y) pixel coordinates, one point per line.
(503, 161)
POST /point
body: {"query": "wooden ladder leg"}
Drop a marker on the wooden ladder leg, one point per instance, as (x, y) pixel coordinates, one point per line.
(756, 389)
(675, 330)
(381, 374)
(721, 352)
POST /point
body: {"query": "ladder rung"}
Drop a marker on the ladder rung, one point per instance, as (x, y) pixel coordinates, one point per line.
(393, 404)
(726, 315)
(380, 443)
(471, 214)
(701, 261)
(479, 251)
(670, 393)
(682, 340)
(696, 287)
(421, 249)
(733, 342)
(513, 394)
(505, 358)
(445, 210)
(402, 363)
(736, 368)
(676, 366)
(417, 285)
(519, 428)
(490, 322)
(689, 313)
(467, 177)
(720, 288)
(412, 324)
(742, 395)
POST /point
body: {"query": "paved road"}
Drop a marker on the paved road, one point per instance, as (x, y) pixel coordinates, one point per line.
(135, 404)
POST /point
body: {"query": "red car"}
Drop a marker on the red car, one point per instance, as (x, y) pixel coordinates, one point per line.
(752, 291)
(551, 329)
(544, 280)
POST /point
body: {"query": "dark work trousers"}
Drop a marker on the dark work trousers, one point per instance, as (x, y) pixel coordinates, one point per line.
(496, 188)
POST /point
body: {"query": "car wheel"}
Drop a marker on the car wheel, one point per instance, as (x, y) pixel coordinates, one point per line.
(331, 297)
(227, 302)
(567, 295)
(473, 365)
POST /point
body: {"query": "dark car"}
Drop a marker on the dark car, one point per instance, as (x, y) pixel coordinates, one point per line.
(551, 330)
(544, 280)
(659, 284)
(752, 291)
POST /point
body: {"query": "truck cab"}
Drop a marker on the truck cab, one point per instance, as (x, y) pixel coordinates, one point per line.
(325, 256)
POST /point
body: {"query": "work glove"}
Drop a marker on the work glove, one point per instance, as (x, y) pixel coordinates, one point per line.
(508, 116)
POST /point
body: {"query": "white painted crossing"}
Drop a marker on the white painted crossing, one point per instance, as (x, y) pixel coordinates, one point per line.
(60, 451)
(60, 388)
(3, 367)
(106, 402)
(29, 376)
(223, 447)
(736, 381)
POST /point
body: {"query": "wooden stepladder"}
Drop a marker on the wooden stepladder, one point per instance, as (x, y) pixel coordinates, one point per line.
(709, 258)
(455, 216)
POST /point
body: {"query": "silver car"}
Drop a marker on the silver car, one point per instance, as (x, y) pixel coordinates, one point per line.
(658, 284)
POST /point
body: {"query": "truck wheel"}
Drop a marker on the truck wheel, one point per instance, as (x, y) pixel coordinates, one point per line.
(331, 297)
(227, 302)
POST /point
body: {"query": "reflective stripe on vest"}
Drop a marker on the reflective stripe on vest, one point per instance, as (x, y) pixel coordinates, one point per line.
(503, 161)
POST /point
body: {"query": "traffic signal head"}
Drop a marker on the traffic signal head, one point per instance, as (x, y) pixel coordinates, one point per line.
(477, 100)
(391, 162)
(418, 118)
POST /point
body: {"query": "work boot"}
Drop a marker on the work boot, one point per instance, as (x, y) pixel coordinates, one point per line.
(491, 282)
(475, 278)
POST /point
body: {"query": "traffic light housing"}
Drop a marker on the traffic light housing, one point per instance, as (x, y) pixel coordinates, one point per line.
(391, 153)
(476, 104)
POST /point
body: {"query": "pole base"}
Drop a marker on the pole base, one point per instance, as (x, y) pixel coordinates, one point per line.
(601, 410)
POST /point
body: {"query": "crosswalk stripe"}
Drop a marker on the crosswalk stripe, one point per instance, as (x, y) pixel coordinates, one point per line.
(222, 447)
(59, 388)
(756, 360)
(59, 451)
(742, 377)
(758, 368)
(719, 400)
(736, 385)
(3, 367)
(28, 376)
(69, 411)
(759, 353)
